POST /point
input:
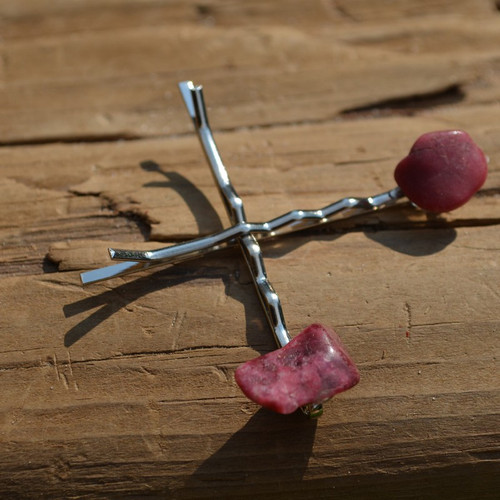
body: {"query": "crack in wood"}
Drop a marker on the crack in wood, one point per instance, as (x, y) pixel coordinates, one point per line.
(405, 105)
(58, 364)
(396, 106)
(140, 219)
(73, 139)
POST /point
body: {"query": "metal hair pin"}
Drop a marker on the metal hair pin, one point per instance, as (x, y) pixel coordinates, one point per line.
(255, 377)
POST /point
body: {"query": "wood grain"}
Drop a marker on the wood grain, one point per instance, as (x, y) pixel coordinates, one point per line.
(125, 389)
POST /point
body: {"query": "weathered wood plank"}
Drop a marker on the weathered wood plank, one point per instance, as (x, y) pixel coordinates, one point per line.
(126, 88)
(166, 346)
(126, 388)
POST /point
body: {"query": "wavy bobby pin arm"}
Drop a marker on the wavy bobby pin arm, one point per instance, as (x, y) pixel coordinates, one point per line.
(295, 220)
(193, 98)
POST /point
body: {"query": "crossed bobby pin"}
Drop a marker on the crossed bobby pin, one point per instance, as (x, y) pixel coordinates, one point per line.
(442, 172)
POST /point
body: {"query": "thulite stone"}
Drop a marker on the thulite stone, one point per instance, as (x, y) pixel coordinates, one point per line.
(442, 171)
(311, 368)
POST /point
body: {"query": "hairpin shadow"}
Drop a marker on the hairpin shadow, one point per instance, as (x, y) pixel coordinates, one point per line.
(207, 218)
(226, 266)
(113, 300)
(117, 298)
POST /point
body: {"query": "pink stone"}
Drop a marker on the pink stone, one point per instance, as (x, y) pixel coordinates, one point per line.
(311, 368)
(442, 171)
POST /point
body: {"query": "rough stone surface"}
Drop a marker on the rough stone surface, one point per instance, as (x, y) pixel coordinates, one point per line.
(311, 368)
(443, 170)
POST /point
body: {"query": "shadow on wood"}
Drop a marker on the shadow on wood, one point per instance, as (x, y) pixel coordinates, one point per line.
(204, 214)
(415, 243)
(270, 451)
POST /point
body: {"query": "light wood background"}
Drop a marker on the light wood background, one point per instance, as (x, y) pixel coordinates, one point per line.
(125, 389)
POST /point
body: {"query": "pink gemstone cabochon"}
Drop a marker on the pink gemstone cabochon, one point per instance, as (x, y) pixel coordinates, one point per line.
(443, 170)
(311, 368)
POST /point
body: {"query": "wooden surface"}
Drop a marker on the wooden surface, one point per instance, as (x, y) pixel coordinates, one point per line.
(126, 389)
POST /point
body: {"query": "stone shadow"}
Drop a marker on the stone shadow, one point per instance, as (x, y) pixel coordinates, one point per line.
(269, 451)
(417, 243)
